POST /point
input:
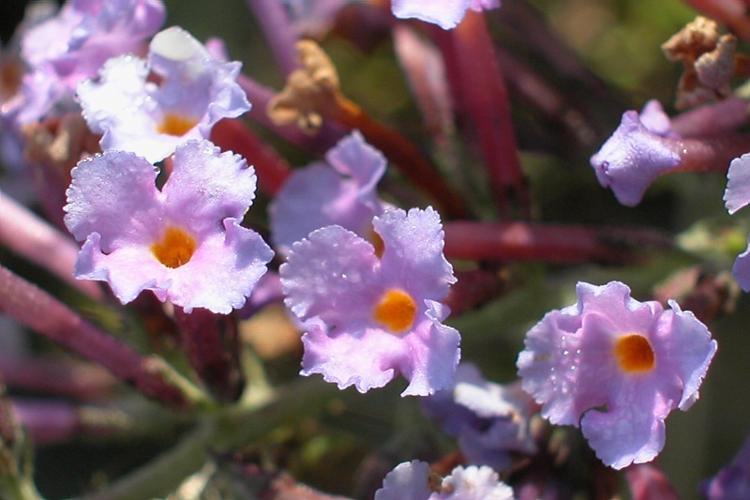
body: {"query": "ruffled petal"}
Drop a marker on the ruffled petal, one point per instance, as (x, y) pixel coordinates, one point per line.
(129, 269)
(630, 431)
(207, 185)
(445, 13)
(414, 252)
(741, 269)
(737, 194)
(473, 483)
(354, 157)
(330, 274)
(366, 358)
(114, 194)
(406, 481)
(222, 272)
(433, 354)
(312, 198)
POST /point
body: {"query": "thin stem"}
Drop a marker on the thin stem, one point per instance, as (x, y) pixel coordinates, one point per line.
(479, 87)
(78, 380)
(31, 237)
(278, 31)
(712, 119)
(708, 154)
(524, 242)
(36, 309)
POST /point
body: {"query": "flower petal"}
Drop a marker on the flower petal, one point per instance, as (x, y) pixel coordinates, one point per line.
(737, 194)
(113, 194)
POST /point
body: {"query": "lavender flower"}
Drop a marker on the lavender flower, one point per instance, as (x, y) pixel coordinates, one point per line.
(369, 315)
(185, 242)
(445, 13)
(490, 421)
(636, 154)
(411, 480)
(135, 114)
(737, 196)
(340, 192)
(617, 366)
(733, 481)
(71, 46)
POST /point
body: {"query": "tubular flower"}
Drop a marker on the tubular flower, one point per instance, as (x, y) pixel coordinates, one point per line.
(490, 421)
(445, 13)
(183, 242)
(413, 480)
(135, 113)
(616, 366)
(370, 314)
(71, 46)
(636, 154)
(341, 191)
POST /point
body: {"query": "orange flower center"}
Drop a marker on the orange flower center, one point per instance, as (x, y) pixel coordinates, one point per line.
(634, 354)
(176, 125)
(175, 248)
(396, 310)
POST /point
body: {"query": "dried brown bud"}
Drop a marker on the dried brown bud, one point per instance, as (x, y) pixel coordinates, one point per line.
(59, 142)
(309, 91)
(696, 38)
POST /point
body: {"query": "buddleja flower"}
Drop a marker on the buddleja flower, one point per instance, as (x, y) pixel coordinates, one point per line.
(616, 366)
(71, 46)
(135, 113)
(490, 421)
(445, 13)
(370, 314)
(413, 481)
(636, 154)
(183, 242)
(737, 196)
(341, 191)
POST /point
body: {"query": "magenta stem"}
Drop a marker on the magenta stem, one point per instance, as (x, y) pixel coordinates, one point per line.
(36, 309)
(712, 119)
(77, 380)
(31, 237)
(707, 154)
(523, 242)
(278, 31)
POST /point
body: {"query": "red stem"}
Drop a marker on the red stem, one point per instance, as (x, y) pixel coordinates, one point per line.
(272, 169)
(64, 378)
(36, 309)
(648, 482)
(517, 241)
(708, 154)
(479, 87)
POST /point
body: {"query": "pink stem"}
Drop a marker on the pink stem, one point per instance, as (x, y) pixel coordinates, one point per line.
(479, 85)
(518, 241)
(648, 482)
(36, 309)
(708, 154)
(712, 119)
(65, 378)
(30, 236)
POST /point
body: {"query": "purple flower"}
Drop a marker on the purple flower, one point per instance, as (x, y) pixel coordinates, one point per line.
(491, 421)
(183, 242)
(340, 192)
(71, 46)
(412, 481)
(151, 119)
(369, 315)
(445, 13)
(617, 366)
(737, 196)
(733, 481)
(636, 154)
